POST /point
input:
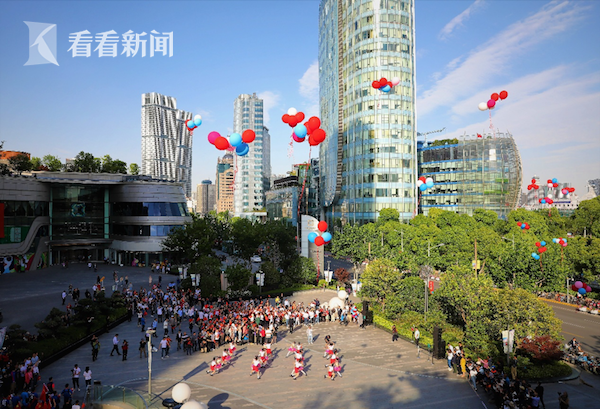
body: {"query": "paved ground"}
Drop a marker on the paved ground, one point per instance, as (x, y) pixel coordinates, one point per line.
(377, 373)
(585, 327)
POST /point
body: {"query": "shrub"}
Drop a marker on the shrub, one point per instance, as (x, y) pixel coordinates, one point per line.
(546, 371)
(342, 275)
(542, 349)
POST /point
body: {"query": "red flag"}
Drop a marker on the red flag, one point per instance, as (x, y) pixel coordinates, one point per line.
(43, 394)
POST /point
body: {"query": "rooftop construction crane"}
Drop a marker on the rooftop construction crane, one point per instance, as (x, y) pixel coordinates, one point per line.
(430, 132)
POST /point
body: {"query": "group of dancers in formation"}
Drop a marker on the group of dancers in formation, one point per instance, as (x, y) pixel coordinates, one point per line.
(261, 361)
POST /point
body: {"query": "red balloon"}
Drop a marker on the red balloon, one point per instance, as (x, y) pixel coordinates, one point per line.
(319, 241)
(314, 122)
(503, 95)
(390, 84)
(295, 138)
(285, 118)
(519, 224)
(588, 288)
(375, 84)
(300, 117)
(221, 143)
(293, 121)
(536, 187)
(382, 82)
(549, 201)
(538, 244)
(495, 96)
(248, 135)
(526, 227)
(542, 249)
(555, 184)
(322, 226)
(308, 128)
(529, 187)
(533, 181)
(318, 135)
(574, 288)
(571, 189)
(311, 141)
(549, 180)
(423, 179)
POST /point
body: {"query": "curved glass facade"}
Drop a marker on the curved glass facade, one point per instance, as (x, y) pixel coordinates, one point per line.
(140, 230)
(18, 218)
(149, 209)
(473, 173)
(368, 158)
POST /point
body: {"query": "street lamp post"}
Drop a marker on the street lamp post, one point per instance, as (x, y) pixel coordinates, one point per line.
(149, 333)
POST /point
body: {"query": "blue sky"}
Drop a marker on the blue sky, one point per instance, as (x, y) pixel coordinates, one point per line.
(545, 54)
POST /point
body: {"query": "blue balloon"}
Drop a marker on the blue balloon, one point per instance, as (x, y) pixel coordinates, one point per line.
(300, 131)
(387, 88)
(326, 236)
(533, 255)
(423, 187)
(312, 236)
(581, 291)
(198, 121)
(190, 124)
(543, 201)
(543, 243)
(242, 149)
(554, 180)
(235, 139)
(429, 184)
(522, 226)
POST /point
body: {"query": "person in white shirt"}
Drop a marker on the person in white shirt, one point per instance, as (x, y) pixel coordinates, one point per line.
(417, 336)
(75, 372)
(309, 334)
(115, 345)
(76, 405)
(87, 375)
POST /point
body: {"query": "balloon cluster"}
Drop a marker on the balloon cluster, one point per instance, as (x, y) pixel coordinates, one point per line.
(483, 106)
(385, 85)
(552, 183)
(235, 142)
(541, 249)
(312, 127)
(479, 135)
(561, 241)
(324, 238)
(546, 200)
(523, 225)
(424, 183)
(567, 190)
(533, 185)
(192, 124)
(581, 288)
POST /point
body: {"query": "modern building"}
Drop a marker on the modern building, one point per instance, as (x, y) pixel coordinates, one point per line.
(224, 184)
(471, 173)
(594, 184)
(166, 141)
(566, 204)
(206, 197)
(55, 217)
(253, 170)
(368, 160)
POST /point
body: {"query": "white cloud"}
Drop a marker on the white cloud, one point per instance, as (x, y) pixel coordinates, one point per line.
(309, 89)
(459, 20)
(270, 100)
(496, 55)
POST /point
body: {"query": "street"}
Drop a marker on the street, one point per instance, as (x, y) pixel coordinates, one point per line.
(581, 325)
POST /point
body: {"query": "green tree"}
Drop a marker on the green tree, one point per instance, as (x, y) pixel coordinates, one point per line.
(209, 269)
(302, 270)
(134, 169)
(246, 237)
(192, 241)
(4, 169)
(409, 295)
(380, 281)
(36, 163)
(272, 275)
(86, 163)
(113, 166)
(53, 163)
(238, 277)
(386, 215)
(20, 163)
(586, 219)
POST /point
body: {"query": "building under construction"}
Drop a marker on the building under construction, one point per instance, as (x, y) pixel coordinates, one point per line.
(472, 172)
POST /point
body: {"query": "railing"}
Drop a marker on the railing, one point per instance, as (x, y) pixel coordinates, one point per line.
(106, 394)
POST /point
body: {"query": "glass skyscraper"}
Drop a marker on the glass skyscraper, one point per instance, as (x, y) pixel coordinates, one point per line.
(253, 171)
(368, 161)
(166, 142)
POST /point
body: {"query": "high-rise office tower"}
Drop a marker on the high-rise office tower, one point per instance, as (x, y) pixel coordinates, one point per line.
(206, 197)
(254, 169)
(166, 142)
(224, 182)
(368, 161)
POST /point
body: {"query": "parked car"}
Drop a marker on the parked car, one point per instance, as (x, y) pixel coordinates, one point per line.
(256, 259)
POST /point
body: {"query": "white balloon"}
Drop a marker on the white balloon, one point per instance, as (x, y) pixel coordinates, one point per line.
(395, 81)
(181, 392)
(292, 111)
(198, 118)
(429, 180)
(550, 195)
(333, 303)
(192, 404)
(342, 295)
(419, 183)
(482, 106)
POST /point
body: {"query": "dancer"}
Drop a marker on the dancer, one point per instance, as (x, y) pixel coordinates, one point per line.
(256, 367)
(232, 349)
(264, 358)
(225, 357)
(267, 347)
(330, 372)
(333, 358)
(298, 367)
(328, 350)
(337, 368)
(213, 367)
(291, 349)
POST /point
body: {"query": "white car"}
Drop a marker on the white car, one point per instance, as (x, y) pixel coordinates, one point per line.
(256, 259)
